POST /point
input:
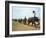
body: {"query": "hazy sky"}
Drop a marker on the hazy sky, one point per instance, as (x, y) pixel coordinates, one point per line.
(21, 12)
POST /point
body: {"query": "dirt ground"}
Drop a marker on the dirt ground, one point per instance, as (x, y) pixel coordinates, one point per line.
(16, 26)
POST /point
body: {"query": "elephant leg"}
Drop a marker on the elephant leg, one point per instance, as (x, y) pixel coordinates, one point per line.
(24, 22)
(28, 23)
(32, 23)
(38, 23)
(35, 24)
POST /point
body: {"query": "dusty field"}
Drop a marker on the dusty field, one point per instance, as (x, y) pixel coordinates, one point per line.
(16, 26)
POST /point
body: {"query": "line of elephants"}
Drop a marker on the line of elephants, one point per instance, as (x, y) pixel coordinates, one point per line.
(30, 20)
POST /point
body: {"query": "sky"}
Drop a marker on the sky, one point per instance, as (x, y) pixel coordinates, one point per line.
(19, 12)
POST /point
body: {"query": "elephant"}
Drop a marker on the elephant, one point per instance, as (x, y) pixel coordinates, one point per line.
(24, 20)
(19, 20)
(33, 20)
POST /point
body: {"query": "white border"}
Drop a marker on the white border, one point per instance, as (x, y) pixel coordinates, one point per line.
(25, 32)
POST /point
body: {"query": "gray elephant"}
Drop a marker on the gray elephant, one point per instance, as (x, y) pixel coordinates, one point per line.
(33, 20)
